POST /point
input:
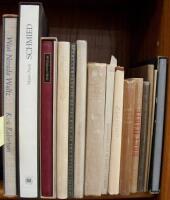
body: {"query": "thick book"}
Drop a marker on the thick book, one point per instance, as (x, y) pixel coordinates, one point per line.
(127, 136)
(80, 118)
(146, 72)
(32, 26)
(157, 144)
(71, 133)
(115, 152)
(47, 135)
(143, 137)
(136, 132)
(9, 105)
(63, 118)
(95, 128)
(110, 76)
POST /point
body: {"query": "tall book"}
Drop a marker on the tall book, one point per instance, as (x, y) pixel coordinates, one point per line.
(71, 134)
(146, 72)
(156, 160)
(95, 128)
(110, 74)
(136, 133)
(48, 135)
(127, 136)
(80, 118)
(9, 104)
(31, 27)
(143, 137)
(63, 118)
(115, 153)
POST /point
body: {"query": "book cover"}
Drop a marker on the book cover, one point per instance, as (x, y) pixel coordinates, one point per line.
(95, 128)
(10, 23)
(31, 28)
(80, 118)
(115, 153)
(63, 118)
(71, 134)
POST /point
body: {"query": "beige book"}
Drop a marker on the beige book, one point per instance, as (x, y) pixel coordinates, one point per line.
(95, 128)
(136, 132)
(62, 118)
(110, 73)
(115, 154)
(147, 73)
(80, 118)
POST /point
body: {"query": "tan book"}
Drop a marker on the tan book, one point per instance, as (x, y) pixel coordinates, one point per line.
(136, 132)
(115, 154)
(95, 128)
(110, 74)
(127, 136)
(80, 118)
(62, 118)
(147, 73)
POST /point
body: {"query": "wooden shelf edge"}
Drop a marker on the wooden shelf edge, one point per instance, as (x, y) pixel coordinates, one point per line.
(145, 195)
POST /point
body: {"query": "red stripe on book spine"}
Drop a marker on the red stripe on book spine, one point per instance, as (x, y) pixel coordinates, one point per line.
(47, 118)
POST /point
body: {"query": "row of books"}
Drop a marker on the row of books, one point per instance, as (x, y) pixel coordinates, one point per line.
(74, 128)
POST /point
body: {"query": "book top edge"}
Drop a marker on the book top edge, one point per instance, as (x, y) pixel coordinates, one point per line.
(120, 68)
(10, 16)
(49, 38)
(30, 3)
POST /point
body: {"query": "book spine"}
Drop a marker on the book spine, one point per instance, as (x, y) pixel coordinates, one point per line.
(63, 118)
(80, 118)
(110, 71)
(95, 128)
(29, 40)
(47, 48)
(127, 136)
(143, 137)
(9, 77)
(115, 153)
(136, 133)
(158, 127)
(71, 136)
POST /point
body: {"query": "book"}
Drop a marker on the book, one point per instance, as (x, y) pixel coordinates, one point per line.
(48, 136)
(10, 23)
(80, 118)
(71, 134)
(95, 128)
(136, 133)
(127, 136)
(143, 137)
(63, 118)
(146, 72)
(110, 73)
(31, 27)
(115, 153)
(157, 144)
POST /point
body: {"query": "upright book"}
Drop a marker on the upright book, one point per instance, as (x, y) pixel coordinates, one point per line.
(47, 111)
(32, 26)
(95, 128)
(9, 105)
(80, 118)
(63, 118)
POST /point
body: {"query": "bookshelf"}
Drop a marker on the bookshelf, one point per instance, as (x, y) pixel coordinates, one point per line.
(131, 30)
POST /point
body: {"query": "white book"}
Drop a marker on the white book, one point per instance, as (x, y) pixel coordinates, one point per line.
(95, 128)
(110, 73)
(30, 31)
(62, 118)
(115, 154)
(80, 118)
(9, 96)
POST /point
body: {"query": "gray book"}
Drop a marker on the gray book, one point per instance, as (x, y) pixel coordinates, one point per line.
(157, 143)
(143, 137)
(71, 131)
(9, 104)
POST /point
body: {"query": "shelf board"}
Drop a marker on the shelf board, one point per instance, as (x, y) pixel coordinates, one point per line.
(145, 195)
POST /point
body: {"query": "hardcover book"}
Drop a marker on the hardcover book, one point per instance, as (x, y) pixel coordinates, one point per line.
(31, 28)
